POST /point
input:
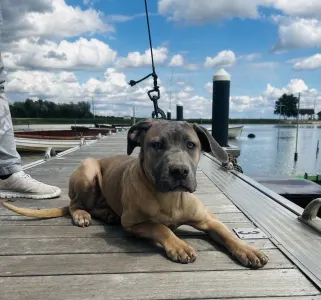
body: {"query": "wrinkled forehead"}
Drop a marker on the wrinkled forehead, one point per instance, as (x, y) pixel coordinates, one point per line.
(173, 131)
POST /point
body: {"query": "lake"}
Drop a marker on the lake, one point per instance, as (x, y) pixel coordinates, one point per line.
(270, 153)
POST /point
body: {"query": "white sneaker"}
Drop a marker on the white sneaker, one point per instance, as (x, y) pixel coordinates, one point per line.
(22, 185)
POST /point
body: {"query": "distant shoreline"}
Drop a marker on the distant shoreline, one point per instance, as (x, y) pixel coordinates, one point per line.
(115, 120)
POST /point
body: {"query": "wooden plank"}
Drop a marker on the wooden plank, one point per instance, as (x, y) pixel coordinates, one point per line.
(102, 263)
(219, 209)
(12, 231)
(173, 285)
(64, 200)
(27, 246)
(209, 199)
(22, 220)
(313, 297)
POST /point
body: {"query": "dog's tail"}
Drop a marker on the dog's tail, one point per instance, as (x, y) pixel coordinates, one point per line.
(38, 213)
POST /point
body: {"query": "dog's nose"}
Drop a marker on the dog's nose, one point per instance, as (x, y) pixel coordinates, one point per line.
(179, 171)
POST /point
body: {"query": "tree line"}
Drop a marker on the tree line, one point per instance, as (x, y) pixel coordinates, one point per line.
(48, 109)
(287, 107)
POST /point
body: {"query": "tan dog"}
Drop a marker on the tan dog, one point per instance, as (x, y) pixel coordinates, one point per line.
(153, 194)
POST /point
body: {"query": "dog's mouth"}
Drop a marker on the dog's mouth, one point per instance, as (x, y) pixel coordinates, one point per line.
(181, 188)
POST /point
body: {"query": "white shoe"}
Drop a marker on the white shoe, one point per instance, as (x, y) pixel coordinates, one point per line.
(22, 185)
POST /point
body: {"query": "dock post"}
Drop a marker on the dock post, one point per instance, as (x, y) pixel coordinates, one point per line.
(169, 115)
(179, 111)
(221, 107)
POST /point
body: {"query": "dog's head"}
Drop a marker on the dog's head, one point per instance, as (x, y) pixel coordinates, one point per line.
(170, 152)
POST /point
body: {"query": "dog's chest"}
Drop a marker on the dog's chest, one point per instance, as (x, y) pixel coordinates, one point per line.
(168, 213)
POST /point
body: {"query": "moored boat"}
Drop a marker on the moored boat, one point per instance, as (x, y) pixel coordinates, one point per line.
(233, 131)
(59, 140)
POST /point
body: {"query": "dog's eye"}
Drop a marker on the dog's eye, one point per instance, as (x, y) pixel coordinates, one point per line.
(158, 145)
(190, 145)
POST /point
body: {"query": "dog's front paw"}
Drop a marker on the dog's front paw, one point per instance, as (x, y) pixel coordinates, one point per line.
(81, 218)
(179, 251)
(250, 257)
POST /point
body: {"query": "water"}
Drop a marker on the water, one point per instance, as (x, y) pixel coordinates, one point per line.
(270, 153)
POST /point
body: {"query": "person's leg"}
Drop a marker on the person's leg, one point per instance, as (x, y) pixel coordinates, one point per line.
(14, 182)
(10, 161)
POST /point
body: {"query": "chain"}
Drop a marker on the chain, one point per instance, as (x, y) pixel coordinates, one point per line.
(232, 164)
(154, 98)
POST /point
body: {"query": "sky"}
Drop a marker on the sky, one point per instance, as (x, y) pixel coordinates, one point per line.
(79, 50)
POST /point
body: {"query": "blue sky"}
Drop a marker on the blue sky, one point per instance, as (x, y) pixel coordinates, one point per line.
(92, 48)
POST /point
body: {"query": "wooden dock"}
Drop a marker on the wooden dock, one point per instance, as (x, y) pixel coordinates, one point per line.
(53, 259)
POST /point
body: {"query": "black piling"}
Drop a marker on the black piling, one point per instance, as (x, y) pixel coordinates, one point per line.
(169, 115)
(179, 111)
(221, 107)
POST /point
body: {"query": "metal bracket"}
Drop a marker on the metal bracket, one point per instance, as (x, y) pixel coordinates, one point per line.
(50, 152)
(82, 142)
(250, 233)
(310, 215)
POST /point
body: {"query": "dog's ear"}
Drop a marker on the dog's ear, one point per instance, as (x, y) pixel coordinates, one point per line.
(209, 144)
(136, 135)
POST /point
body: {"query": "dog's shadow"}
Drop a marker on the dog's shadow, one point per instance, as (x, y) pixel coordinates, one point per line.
(119, 241)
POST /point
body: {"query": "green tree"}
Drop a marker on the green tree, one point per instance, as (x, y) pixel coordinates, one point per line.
(319, 115)
(287, 106)
(49, 109)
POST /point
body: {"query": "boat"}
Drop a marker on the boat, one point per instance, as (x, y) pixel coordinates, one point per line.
(314, 178)
(41, 145)
(233, 131)
(59, 140)
(103, 125)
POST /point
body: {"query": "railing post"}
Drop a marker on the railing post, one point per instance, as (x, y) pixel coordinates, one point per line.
(221, 107)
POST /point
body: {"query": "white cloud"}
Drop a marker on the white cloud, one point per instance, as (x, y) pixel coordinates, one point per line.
(265, 65)
(250, 56)
(301, 8)
(204, 11)
(83, 53)
(224, 58)
(308, 63)
(135, 59)
(298, 33)
(48, 19)
(191, 67)
(176, 61)
(113, 95)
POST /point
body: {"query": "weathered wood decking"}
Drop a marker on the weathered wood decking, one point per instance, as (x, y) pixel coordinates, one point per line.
(52, 259)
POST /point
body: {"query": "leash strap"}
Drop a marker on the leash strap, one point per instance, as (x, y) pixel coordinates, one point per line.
(154, 98)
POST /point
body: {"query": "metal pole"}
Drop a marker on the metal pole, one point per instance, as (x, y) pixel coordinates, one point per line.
(297, 133)
(221, 107)
(92, 101)
(134, 115)
(170, 93)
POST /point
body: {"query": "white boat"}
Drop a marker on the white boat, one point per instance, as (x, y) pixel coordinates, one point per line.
(41, 145)
(59, 140)
(233, 131)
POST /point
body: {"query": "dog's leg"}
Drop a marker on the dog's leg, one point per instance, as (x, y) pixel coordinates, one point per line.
(105, 214)
(176, 249)
(246, 254)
